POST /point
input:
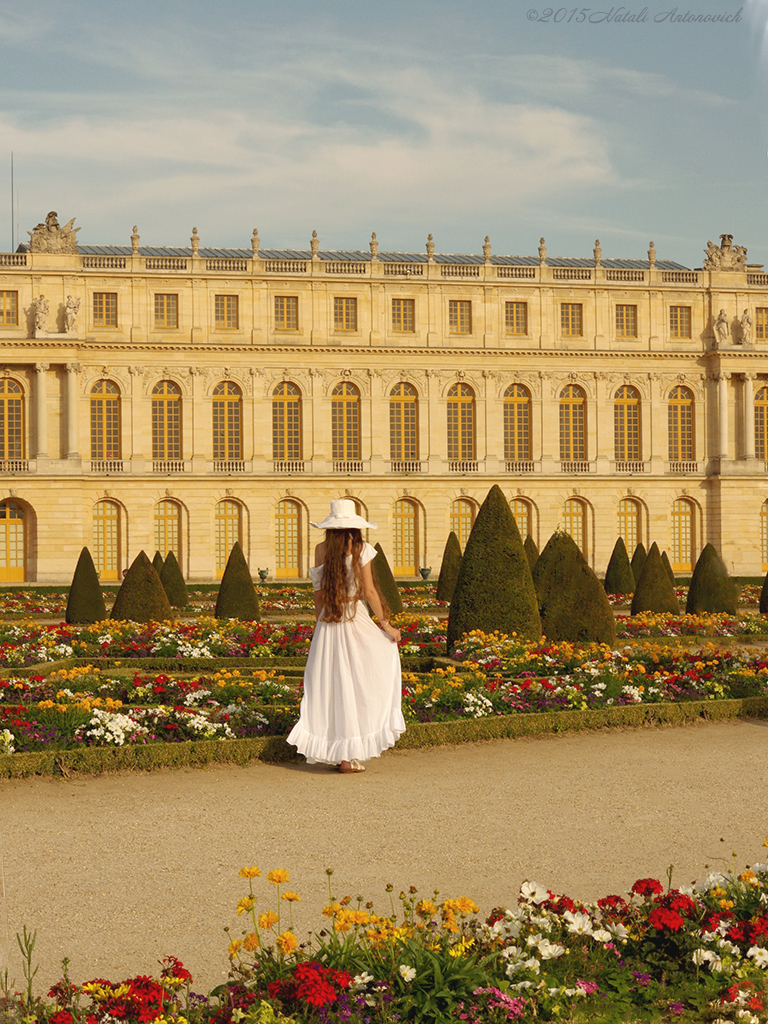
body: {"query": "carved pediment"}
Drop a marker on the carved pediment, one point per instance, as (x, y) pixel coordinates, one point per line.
(727, 257)
(51, 237)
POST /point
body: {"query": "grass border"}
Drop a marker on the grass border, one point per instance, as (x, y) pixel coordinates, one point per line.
(419, 736)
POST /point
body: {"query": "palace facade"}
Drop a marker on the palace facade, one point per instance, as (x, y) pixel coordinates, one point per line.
(185, 398)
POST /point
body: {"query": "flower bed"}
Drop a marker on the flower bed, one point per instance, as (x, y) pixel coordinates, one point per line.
(656, 953)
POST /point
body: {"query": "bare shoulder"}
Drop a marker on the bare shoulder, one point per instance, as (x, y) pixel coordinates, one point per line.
(320, 553)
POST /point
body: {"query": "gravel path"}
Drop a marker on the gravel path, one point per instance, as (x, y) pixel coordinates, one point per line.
(116, 872)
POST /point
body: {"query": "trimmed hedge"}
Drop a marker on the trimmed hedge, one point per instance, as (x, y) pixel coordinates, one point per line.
(619, 578)
(711, 589)
(654, 592)
(85, 602)
(573, 604)
(237, 597)
(531, 551)
(638, 561)
(141, 598)
(449, 568)
(157, 562)
(173, 582)
(385, 581)
(668, 567)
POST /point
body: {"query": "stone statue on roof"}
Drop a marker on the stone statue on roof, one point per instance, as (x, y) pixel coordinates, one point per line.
(727, 257)
(51, 237)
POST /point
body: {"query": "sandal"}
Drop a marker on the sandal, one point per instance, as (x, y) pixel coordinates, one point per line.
(354, 766)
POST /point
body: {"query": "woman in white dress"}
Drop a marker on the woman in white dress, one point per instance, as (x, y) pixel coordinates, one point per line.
(351, 708)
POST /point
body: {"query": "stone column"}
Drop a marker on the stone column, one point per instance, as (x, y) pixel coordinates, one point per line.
(41, 411)
(749, 416)
(722, 407)
(72, 410)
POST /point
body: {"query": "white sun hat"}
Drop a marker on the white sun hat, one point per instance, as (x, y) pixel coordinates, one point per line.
(344, 517)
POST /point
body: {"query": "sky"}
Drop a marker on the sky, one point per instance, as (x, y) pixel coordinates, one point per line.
(405, 117)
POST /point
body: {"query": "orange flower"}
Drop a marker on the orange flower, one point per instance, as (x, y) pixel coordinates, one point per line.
(234, 947)
(250, 872)
(286, 942)
(251, 942)
(292, 897)
(268, 920)
(278, 877)
(245, 904)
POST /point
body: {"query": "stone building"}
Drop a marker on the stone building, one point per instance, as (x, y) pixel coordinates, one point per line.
(183, 398)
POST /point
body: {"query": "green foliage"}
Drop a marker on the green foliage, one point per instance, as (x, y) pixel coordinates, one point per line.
(668, 567)
(711, 589)
(449, 568)
(141, 598)
(158, 563)
(654, 592)
(619, 578)
(494, 589)
(531, 551)
(173, 582)
(237, 597)
(86, 601)
(764, 597)
(572, 601)
(542, 562)
(385, 581)
(638, 561)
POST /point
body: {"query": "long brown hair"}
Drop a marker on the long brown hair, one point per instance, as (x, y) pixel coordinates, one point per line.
(334, 592)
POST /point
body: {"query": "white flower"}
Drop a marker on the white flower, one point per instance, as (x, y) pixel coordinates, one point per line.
(703, 956)
(532, 892)
(728, 947)
(618, 930)
(601, 935)
(578, 924)
(361, 980)
(759, 955)
(407, 973)
(534, 940)
(745, 1015)
(549, 950)
(6, 741)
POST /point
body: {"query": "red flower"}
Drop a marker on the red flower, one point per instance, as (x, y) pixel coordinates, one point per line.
(647, 887)
(60, 1017)
(665, 920)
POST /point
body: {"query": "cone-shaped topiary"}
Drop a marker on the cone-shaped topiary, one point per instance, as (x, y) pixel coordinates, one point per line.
(711, 589)
(237, 598)
(764, 597)
(494, 589)
(619, 578)
(542, 562)
(158, 563)
(385, 581)
(531, 551)
(86, 601)
(141, 597)
(173, 582)
(668, 567)
(449, 568)
(638, 561)
(654, 592)
(572, 602)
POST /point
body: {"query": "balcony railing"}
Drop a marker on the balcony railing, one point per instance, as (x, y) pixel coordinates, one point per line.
(169, 466)
(288, 465)
(347, 466)
(528, 272)
(518, 466)
(571, 274)
(460, 270)
(228, 466)
(572, 466)
(104, 262)
(344, 267)
(228, 265)
(625, 275)
(405, 466)
(683, 467)
(285, 266)
(165, 263)
(679, 277)
(761, 279)
(629, 466)
(13, 259)
(463, 466)
(106, 466)
(404, 269)
(14, 465)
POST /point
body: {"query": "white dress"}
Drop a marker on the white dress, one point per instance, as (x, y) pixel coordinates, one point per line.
(351, 706)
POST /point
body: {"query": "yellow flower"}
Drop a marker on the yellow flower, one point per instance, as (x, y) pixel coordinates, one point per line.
(250, 872)
(426, 908)
(726, 904)
(286, 943)
(292, 897)
(234, 947)
(245, 904)
(331, 909)
(278, 877)
(251, 942)
(268, 920)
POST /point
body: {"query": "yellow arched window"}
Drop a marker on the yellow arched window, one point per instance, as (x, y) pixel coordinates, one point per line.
(573, 404)
(462, 519)
(287, 539)
(761, 425)
(105, 421)
(404, 533)
(168, 528)
(461, 423)
(403, 423)
(106, 539)
(680, 419)
(345, 422)
(575, 522)
(227, 422)
(12, 542)
(517, 423)
(629, 523)
(626, 425)
(521, 510)
(764, 534)
(11, 419)
(166, 421)
(286, 422)
(228, 531)
(682, 535)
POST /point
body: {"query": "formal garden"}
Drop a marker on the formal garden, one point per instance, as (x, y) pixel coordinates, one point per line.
(507, 642)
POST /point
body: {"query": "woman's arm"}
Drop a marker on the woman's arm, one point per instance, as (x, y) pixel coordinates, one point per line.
(318, 594)
(371, 595)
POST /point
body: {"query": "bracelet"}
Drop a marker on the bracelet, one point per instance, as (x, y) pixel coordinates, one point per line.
(383, 622)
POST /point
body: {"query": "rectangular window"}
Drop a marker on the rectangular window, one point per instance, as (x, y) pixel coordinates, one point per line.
(9, 309)
(403, 316)
(626, 321)
(679, 321)
(105, 309)
(571, 319)
(516, 317)
(167, 311)
(761, 323)
(225, 314)
(286, 312)
(459, 316)
(344, 314)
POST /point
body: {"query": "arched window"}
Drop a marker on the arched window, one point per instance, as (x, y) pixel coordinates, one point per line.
(764, 534)
(166, 421)
(228, 531)
(403, 423)
(462, 519)
(286, 422)
(11, 419)
(761, 425)
(626, 425)
(517, 423)
(106, 538)
(287, 539)
(227, 422)
(345, 422)
(680, 419)
(404, 533)
(461, 423)
(168, 528)
(573, 405)
(521, 510)
(629, 523)
(105, 421)
(682, 535)
(12, 542)
(575, 522)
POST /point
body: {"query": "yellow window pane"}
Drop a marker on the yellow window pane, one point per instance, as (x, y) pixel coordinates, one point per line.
(516, 317)
(286, 312)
